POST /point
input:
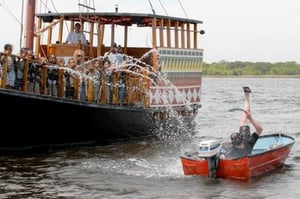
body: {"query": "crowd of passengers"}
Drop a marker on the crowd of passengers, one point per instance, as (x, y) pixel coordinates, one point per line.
(98, 72)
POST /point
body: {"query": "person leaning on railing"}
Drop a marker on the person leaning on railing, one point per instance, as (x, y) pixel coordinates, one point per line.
(70, 77)
(34, 73)
(20, 69)
(52, 76)
(11, 63)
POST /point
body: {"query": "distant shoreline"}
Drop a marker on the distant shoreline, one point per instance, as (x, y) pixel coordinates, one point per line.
(252, 76)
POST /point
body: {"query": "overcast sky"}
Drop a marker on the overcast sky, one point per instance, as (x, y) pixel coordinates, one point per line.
(235, 30)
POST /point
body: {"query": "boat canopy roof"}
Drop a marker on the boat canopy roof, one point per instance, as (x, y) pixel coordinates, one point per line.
(123, 19)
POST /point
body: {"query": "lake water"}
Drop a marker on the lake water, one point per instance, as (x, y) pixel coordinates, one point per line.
(152, 168)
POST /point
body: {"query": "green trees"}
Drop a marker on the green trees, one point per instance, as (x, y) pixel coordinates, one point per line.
(238, 68)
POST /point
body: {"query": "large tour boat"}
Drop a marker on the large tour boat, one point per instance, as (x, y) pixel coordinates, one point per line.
(157, 89)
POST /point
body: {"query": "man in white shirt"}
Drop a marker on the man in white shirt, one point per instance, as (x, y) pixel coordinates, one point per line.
(76, 36)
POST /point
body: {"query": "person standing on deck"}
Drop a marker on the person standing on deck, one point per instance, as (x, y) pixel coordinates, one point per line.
(34, 73)
(70, 76)
(97, 78)
(108, 80)
(77, 35)
(20, 68)
(82, 69)
(118, 62)
(52, 76)
(11, 66)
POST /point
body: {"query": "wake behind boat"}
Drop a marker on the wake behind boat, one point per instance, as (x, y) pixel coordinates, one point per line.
(157, 87)
(269, 152)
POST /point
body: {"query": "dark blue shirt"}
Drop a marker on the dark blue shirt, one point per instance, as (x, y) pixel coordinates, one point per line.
(236, 152)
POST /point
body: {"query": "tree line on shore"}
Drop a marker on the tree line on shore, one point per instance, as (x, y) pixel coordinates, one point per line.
(239, 68)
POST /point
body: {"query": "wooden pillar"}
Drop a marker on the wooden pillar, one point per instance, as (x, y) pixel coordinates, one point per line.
(125, 39)
(182, 36)
(154, 45)
(72, 26)
(4, 70)
(49, 36)
(44, 80)
(99, 43)
(195, 36)
(61, 85)
(188, 35)
(76, 87)
(91, 40)
(60, 31)
(103, 89)
(155, 61)
(38, 39)
(100, 39)
(176, 34)
(90, 90)
(112, 34)
(115, 97)
(161, 33)
(29, 31)
(169, 33)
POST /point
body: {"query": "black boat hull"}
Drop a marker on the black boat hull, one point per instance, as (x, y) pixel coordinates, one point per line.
(37, 120)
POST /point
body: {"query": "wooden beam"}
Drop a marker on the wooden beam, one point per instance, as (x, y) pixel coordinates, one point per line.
(38, 39)
(60, 32)
(40, 31)
(182, 36)
(154, 32)
(112, 40)
(99, 41)
(161, 33)
(91, 39)
(169, 34)
(188, 35)
(49, 36)
(176, 34)
(125, 40)
(195, 36)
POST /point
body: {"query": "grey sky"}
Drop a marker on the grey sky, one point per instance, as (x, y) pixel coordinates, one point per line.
(236, 30)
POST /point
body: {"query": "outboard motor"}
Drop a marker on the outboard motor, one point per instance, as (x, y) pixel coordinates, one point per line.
(209, 150)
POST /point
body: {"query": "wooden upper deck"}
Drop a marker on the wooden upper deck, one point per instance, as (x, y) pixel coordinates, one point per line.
(167, 32)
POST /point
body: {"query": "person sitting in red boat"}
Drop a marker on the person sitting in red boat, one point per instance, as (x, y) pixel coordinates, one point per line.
(243, 141)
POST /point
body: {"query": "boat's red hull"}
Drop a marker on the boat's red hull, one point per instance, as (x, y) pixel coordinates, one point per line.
(242, 168)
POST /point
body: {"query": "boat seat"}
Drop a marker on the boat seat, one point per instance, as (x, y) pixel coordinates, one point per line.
(256, 151)
(276, 145)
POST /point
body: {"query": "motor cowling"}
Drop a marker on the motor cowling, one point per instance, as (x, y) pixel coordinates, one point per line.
(209, 149)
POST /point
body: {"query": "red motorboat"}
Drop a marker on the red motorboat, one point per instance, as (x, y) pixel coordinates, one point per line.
(269, 153)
